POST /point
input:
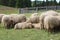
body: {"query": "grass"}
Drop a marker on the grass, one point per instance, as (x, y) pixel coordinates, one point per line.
(25, 34)
(8, 10)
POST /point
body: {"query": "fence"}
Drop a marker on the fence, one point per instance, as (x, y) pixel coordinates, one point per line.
(36, 9)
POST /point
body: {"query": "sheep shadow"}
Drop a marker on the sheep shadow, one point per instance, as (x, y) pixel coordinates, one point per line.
(56, 30)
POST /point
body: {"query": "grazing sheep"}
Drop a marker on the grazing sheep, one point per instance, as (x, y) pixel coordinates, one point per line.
(43, 15)
(1, 15)
(52, 23)
(22, 18)
(6, 21)
(37, 26)
(23, 25)
(10, 20)
(33, 19)
(18, 18)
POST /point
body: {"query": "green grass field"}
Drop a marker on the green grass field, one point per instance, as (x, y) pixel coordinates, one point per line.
(25, 34)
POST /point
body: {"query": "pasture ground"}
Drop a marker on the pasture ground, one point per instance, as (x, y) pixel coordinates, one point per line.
(25, 34)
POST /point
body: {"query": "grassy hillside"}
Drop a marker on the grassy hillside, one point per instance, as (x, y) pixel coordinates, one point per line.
(8, 10)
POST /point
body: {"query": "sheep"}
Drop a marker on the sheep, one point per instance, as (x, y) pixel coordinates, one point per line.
(44, 14)
(23, 25)
(18, 18)
(10, 20)
(33, 19)
(6, 21)
(37, 25)
(1, 15)
(51, 23)
(22, 17)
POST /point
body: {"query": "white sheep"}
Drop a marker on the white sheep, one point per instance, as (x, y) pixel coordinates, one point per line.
(23, 25)
(18, 18)
(51, 23)
(44, 14)
(36, 25)
(34, 18)
(1, 15)
(12, 20)
(6, 21)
